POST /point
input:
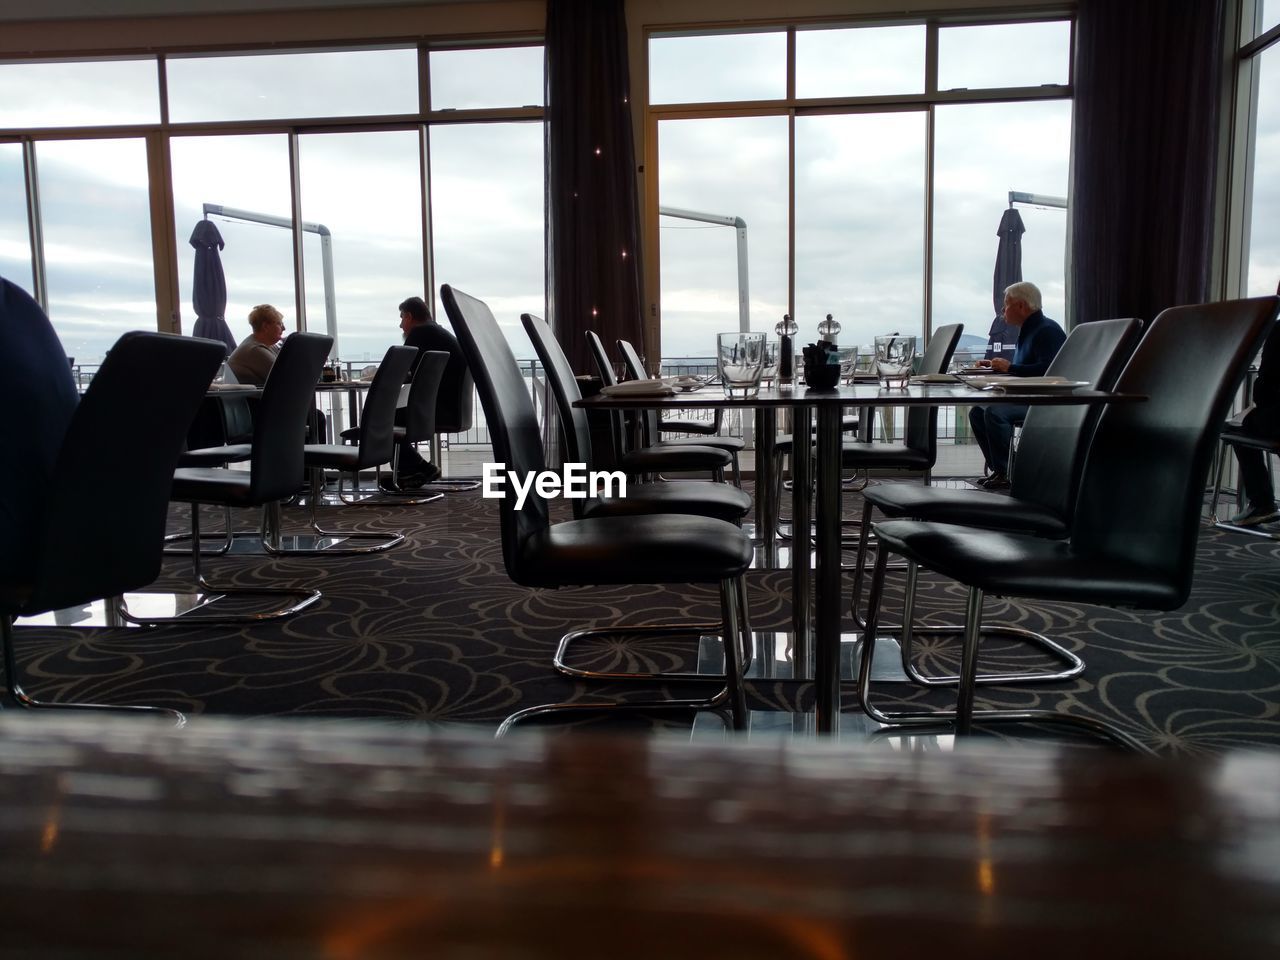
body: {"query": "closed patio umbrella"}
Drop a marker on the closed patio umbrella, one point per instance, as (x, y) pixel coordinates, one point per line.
(1008, 270)
(209, 286)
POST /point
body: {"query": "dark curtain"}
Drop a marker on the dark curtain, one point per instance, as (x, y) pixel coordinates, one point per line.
(1147, 90)
(593, 220)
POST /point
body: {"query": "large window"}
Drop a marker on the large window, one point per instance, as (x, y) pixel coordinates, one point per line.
(833, 181)
(275, 86)
(71, 94)
(487, 204)
(860, 61)
(1003, 55)
(486, 78)
(247, 176)
(374, 235)
(738, 66)
(97, 242)
(734, 169)
(1264, 209)
(860, 217)
(15, 244)
(984, 151)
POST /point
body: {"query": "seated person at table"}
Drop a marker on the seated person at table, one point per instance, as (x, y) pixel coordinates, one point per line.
(38, 396)
(421, 330)
(1261, 420)
(253, 359)
(1039, 339)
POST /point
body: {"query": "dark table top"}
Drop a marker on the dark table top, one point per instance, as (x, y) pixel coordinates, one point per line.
(253, 838)
(861, 394)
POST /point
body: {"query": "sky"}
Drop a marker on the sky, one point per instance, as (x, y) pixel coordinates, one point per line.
(859, 202)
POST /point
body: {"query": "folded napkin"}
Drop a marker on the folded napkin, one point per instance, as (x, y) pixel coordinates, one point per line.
(935, 378)
(639, 388)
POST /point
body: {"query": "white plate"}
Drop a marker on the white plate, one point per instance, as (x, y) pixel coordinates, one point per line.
(638, 388)
(687, 384)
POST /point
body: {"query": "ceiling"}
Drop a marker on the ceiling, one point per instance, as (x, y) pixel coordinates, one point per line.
(15, 10)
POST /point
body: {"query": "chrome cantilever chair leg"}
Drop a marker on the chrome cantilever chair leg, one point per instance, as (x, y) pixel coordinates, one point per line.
(458, 485)
(1072, 665)
(577, 637)
(25, 700)
(295, 600)
(227, 538)
(964, 716)
(273, 540)
(731, 697)
(379, 497)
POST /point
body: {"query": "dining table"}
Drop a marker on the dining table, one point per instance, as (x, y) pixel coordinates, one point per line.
(818, 412)
(264, 837)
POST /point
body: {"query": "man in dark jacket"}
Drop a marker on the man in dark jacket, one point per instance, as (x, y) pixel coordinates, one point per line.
(421, 331)
(1039, 340)
(1261, 420)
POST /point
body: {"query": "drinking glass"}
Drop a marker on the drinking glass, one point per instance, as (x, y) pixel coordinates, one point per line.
(848, 363)
(893, 360)
(740, 359)
(770, 371)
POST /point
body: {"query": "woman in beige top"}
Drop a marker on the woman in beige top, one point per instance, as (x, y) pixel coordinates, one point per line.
(252, 360)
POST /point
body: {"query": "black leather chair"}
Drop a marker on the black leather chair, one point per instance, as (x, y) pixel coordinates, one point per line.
(455, 413)
(375, 447)
(1041, 501)
(275, 469)
(708, 428)
(653, 459)
(653, 426)
(102, 533)
(657, 549)
(419, 426)
(420, 414)
(695, 498)
(1136, 520)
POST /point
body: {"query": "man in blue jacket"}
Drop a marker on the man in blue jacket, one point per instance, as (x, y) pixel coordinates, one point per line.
(1039, 340)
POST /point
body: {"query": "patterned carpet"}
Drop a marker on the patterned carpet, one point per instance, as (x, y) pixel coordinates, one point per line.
(433, 631)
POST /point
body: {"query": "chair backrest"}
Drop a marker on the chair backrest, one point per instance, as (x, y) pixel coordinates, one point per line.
(280, 425)
(603, 365)
(652, 419)
(617, 423)
(1054, 440)
(424, 389)
(455, 404)
(1144, 477)
(513, 425)
(109, 492)
(236, 412)
(378, 415)
(636, 371)
(921, 431)
(577, 431)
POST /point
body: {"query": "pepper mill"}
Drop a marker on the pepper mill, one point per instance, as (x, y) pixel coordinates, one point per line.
(829, 329)
(786, 329)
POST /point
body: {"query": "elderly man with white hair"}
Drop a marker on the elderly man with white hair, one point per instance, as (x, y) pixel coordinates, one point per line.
(1039, 339)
